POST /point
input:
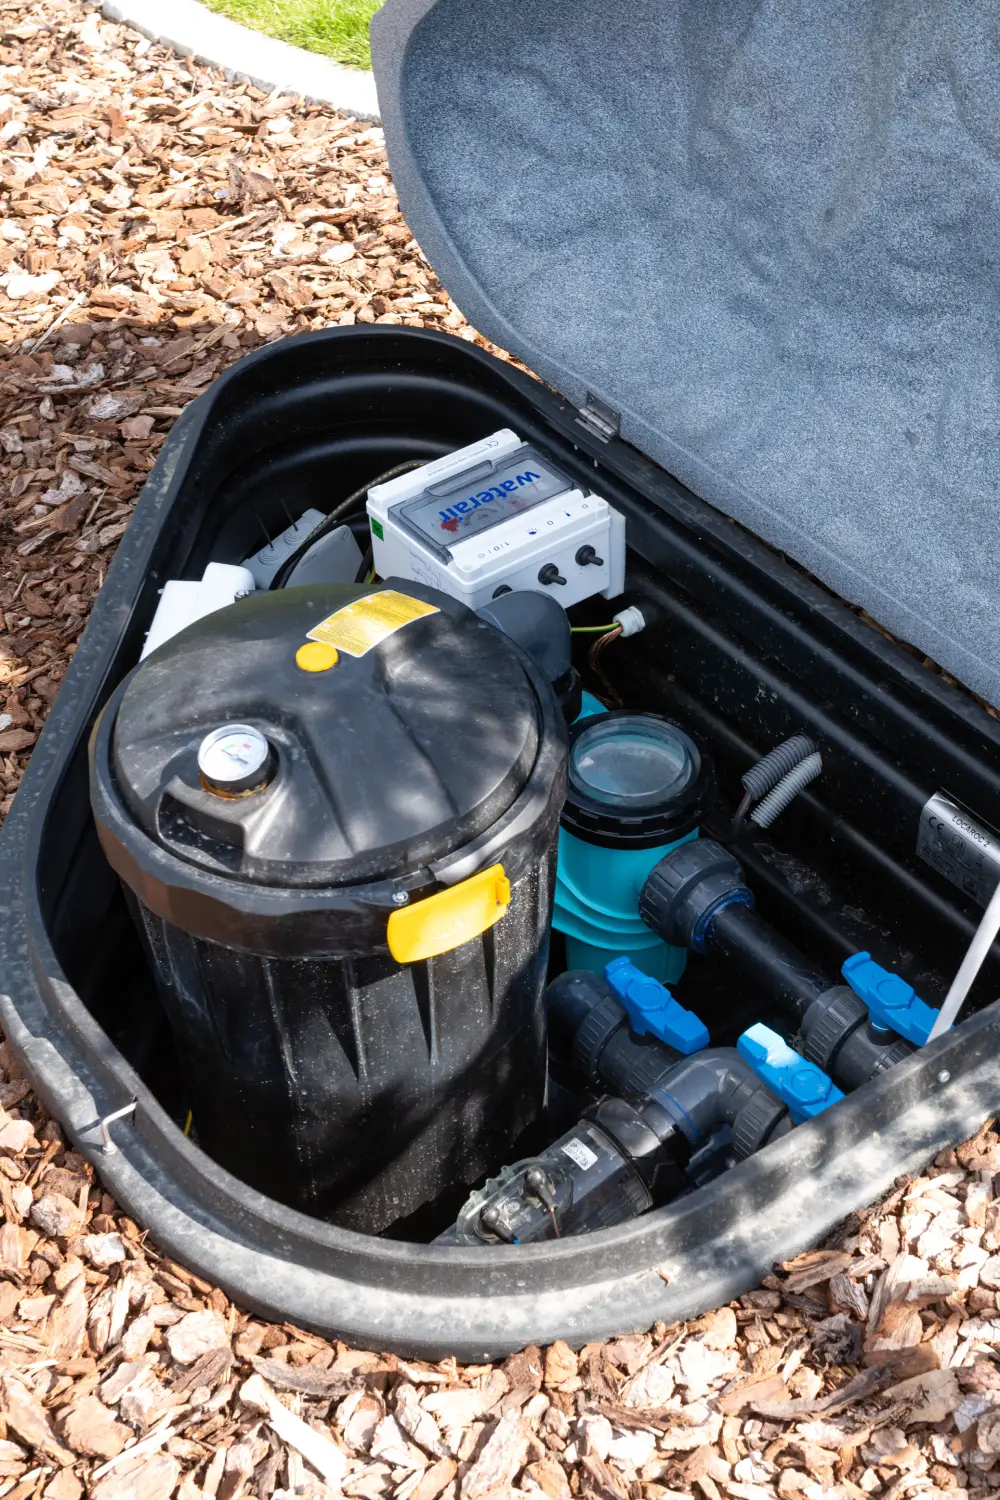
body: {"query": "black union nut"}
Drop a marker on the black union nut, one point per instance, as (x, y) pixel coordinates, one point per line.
(686, 887)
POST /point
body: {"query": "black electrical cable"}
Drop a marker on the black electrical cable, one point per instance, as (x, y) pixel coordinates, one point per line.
(322, 528)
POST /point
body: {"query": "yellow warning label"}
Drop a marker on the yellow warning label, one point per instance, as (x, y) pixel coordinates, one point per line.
(368, 622)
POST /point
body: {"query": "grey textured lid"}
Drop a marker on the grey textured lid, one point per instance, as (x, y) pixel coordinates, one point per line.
(767, 232)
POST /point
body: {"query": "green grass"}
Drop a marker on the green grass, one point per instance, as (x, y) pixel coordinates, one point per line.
(337, 28)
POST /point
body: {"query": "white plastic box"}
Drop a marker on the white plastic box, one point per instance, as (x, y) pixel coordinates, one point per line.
(495, 516)
(183, 601)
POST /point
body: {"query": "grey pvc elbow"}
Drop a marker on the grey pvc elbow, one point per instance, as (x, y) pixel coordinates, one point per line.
(716, 1088)
(698, 1093)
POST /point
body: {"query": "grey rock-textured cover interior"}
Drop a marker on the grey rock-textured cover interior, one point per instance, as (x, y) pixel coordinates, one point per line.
(767, 231)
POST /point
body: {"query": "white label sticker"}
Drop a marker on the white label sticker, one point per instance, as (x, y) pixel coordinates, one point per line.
(581, 1154)
(959, 847)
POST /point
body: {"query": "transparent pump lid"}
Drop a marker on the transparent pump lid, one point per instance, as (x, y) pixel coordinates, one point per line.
(633, 778)
(633, 763)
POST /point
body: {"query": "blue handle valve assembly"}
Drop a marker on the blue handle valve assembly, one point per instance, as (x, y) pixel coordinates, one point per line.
(629, 1151)
(652, 1008)
(797, 1082)
(671, 1091)
(697, 895)
(893, 1005)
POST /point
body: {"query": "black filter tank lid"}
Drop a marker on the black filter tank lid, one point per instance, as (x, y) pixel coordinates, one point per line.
(374, 763)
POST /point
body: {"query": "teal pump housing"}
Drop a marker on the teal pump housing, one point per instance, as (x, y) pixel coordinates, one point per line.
(638, 786)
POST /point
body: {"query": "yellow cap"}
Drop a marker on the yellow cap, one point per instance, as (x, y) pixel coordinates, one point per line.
(316, 656)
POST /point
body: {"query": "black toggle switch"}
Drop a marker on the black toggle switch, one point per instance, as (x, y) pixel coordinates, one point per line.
(550, 574)
(588, 558)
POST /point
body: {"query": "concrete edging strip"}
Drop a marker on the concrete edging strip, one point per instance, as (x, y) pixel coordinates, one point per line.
(193, 31)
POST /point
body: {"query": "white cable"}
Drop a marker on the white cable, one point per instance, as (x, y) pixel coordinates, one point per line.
(970, 966)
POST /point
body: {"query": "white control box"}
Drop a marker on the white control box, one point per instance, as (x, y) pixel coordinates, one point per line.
(495, 516)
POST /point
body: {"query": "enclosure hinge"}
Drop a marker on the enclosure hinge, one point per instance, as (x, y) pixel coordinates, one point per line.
(600, 418)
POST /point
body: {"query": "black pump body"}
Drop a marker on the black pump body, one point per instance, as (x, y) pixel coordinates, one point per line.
(319, 1068)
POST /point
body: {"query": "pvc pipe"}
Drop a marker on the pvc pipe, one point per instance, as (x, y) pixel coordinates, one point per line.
(767, 958)
(970, 966)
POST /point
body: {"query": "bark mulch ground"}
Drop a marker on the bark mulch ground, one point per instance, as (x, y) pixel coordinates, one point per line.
(158, 222)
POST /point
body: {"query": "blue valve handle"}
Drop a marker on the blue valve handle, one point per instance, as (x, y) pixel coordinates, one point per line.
(651, 1007)
(892, 1003)
(800, 1084)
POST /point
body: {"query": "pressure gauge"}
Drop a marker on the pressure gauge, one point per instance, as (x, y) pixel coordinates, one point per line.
(234, 759)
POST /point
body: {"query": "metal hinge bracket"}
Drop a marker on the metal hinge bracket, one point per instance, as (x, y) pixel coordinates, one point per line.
(599, 418)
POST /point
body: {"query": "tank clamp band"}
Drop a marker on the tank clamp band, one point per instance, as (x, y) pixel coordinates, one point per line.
(893, 1005)
(449, 919)
(651, 1007)
(800, 1084)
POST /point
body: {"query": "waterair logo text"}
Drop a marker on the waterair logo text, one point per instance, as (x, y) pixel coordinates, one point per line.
(453, 514)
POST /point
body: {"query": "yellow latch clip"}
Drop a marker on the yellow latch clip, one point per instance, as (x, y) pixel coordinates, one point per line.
(449, 919)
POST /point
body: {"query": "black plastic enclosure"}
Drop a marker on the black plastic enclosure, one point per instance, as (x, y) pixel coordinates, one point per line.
(740, 646)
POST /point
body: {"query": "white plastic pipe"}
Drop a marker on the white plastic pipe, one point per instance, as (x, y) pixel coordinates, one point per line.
(970, 966)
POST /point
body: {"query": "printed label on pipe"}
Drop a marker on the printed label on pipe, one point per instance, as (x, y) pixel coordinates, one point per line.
(581, 1154)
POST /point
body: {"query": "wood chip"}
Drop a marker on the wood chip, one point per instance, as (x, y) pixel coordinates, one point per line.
(861, 1386)
(418, 1423)
(149, 1477)
(500, 1460)
(306, 1379)
(322, 1454)
(25, 1416)
(90, 1429)
(813, 1268)
(197, 1334)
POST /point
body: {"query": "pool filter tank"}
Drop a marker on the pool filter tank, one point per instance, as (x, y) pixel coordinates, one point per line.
(638, 787)
(334, 809)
